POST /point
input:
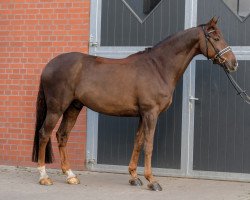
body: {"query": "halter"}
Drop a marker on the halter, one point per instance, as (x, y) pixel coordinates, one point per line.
(218, 56)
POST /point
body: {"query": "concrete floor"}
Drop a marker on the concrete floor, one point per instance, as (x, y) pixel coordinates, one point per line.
(22, 184)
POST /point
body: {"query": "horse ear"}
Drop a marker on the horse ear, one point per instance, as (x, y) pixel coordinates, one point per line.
(213, 21)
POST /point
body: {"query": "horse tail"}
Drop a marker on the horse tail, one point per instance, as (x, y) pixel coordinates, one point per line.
(41, 111)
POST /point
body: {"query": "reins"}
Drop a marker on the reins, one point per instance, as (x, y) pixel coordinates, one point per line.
(242, 93)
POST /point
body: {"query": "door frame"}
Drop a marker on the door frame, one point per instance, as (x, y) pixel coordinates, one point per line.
(188, 104)
(121, 51)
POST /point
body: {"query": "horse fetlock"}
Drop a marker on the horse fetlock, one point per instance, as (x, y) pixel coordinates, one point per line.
(131, 168)
(64, 166)
(149, 176)
(132, 171)
(42, 172)
(153, 184)
(70, 174)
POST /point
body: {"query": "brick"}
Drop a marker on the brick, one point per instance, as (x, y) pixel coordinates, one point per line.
(32, 33)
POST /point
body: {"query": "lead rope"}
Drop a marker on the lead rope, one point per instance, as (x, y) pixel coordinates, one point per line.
(242, 93)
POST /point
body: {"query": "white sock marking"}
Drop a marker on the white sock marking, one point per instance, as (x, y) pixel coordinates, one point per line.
(70, 174)
(42, 172)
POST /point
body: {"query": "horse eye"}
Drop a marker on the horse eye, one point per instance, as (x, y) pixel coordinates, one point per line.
(217, 39)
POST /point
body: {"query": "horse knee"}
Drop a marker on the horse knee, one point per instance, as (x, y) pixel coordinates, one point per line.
(140, 143)
(148, 149)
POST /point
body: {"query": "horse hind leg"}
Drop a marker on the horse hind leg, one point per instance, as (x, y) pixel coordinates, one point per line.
(45, 134)
(68, 121)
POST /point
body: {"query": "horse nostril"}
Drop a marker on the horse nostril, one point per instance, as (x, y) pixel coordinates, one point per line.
(236, 65)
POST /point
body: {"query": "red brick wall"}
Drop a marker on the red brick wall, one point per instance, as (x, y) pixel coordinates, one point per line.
(31, 33)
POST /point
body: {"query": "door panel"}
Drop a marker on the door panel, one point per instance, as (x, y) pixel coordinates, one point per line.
(120, 27)
(221, 132)
(220, 129)
(236, 32)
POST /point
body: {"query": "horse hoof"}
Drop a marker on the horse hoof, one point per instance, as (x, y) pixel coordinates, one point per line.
(135, 182)
(154, 186)
(46, 181)
(73, 181)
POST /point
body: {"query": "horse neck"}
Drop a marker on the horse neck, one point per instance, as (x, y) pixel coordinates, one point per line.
(174, 55)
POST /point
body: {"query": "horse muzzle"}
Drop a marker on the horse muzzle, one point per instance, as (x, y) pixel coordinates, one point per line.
(231, 66)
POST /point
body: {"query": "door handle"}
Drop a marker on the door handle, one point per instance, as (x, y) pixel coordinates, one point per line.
(191, 98)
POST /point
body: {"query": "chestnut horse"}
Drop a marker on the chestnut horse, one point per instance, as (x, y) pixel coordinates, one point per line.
(140, 85)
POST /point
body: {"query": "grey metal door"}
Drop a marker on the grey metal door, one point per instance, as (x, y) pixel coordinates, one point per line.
(221, 129)
(212, 139)
(122, 25)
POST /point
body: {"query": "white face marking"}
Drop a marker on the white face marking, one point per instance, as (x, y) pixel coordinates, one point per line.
(70, 174)
(43, 174)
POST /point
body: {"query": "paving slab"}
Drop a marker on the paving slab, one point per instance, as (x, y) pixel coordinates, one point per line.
(22, 184)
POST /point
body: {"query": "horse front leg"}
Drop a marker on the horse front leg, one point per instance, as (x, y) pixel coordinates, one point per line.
(139, 139)
(149, 124)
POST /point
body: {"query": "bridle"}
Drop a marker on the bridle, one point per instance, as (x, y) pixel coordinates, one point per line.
(220, 60)
(218, 56)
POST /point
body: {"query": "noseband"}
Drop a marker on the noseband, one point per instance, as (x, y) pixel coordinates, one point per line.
(218, 56)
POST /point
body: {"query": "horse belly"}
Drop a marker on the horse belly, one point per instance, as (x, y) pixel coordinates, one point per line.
(109, 89)
(110, 105)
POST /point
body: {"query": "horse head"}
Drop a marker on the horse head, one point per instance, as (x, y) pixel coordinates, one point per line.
(214, 47)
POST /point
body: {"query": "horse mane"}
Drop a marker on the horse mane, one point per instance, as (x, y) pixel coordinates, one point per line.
(162, 42)
(149, 49)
